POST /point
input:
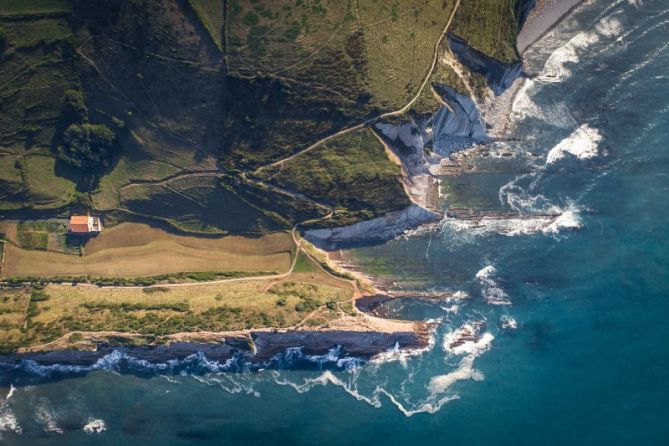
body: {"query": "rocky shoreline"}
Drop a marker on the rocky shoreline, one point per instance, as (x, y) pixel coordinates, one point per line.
(362, 337)
(257, 347)
(450, 129)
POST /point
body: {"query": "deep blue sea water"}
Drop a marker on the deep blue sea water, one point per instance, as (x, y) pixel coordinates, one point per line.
(589, 359)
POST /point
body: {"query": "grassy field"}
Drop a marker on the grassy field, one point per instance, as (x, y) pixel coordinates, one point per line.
(343, 45)
(489, 26)
(197, 204)
(35, 69)
(210, 12)
(46, 187)
(12, 190)
(60, 309)
(13, 315)
(136, 250)
(28, 7)
(321, 65)
(351, 173)
(399, 41)
(293, 72)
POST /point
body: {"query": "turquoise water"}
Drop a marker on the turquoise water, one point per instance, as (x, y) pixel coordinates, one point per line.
(588, 360)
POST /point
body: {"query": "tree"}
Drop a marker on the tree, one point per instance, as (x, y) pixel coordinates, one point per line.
(3, 44)
(74, 106)
(88, 146)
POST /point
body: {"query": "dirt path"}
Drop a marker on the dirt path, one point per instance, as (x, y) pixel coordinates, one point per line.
(401, 111)
(298, 196)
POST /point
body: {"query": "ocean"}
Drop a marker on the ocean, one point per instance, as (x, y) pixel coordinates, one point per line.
(569, 303)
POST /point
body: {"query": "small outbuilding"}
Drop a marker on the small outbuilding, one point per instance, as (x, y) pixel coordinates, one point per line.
(85, 225)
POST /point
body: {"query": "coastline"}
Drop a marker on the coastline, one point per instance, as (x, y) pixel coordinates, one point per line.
(542, 19)
(362, 340)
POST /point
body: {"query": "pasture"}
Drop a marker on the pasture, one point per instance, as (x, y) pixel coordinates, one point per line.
(138, 250)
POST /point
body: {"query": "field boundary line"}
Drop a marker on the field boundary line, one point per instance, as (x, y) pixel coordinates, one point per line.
(2, 258)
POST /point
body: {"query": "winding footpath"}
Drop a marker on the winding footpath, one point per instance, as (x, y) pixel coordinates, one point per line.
(219, 173)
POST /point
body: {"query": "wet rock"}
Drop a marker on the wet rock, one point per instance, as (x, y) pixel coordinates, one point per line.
(377, 230)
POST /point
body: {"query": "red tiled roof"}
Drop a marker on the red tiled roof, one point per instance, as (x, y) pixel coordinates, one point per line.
(79, 228)
(79, 220)
(79, 223)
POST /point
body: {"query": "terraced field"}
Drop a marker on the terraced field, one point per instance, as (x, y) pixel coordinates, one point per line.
(308, 296)
(226, 118)
(137, 250)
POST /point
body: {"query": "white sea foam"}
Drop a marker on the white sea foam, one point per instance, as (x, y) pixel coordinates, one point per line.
(466, 340)
(557, 113)
(507, 322)
(453, 309)
(44, 414)
(556, 67)
(441, 383)
(431, 404)
(8, 421)
(95, 426)
(491, 291)
(10, 394)
(402, 355)
(583, 143)
(460, 295)
(567, 220)
(609, 27)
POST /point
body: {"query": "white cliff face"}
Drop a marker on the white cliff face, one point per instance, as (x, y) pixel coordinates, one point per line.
(376, 230)
(419, 142)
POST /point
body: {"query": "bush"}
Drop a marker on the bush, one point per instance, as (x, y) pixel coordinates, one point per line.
(74, 105)
(38, 295)
(158, 289)
(87, 146)
(306, 304)
(250, 19)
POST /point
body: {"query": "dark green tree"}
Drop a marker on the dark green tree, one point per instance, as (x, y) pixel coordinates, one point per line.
(74, 106)
(88, 146)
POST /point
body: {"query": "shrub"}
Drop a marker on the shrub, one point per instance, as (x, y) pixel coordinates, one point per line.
(250, 18)
(158, 289)
(74, 105)
(87, 146)
(38, 295)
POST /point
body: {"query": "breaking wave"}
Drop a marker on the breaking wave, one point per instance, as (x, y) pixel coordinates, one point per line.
(95, 426)
(583, 144)
(491, 291)
(469, 231)
(46, 416)
(362, 382)
(195, 364)
(8, 421)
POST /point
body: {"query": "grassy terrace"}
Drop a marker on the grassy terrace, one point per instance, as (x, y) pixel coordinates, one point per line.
(320, 66)
(210, 12)
(46, 311)
(489, 26)
(29, 7)
(137, 250)
(353, 174)
(200, 94)
(31, 317)
(36, 67)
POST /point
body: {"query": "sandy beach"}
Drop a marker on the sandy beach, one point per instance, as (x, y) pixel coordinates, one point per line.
(545, 15)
